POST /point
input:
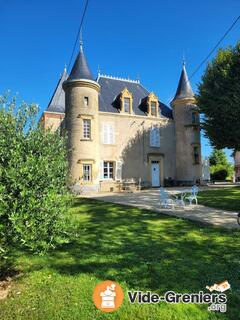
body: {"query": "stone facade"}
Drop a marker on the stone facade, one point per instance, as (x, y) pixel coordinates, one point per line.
(117, 130)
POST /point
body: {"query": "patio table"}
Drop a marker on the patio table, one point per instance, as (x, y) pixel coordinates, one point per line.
(182, 193)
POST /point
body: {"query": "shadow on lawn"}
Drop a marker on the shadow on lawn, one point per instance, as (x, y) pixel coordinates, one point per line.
(225, 198)
(148, 250)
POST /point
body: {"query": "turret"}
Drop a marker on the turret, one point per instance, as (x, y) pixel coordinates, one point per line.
(187, 133)
(81, 124)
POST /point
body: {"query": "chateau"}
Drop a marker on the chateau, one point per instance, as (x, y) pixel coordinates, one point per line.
(118, 130)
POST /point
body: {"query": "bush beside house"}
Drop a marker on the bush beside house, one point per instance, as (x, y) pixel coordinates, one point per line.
(33, 172)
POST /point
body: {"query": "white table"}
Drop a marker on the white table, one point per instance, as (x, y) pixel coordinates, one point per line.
(182, 193)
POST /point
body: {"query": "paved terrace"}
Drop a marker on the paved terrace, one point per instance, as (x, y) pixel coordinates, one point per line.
(149, 199)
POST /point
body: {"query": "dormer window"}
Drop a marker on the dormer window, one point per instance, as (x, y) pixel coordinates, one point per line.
(153, 108)
(152, 105)
(126, 101)
(126, 105)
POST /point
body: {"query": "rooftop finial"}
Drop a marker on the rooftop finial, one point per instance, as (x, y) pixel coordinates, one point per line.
(81, 40)
(99, 71)
(183, 59)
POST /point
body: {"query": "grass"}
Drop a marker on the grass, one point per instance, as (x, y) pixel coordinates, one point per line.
(140, 250)
(224, 198)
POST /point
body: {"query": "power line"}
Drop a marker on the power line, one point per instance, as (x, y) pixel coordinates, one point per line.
(78, 34)
(74, 47)
(215, 47)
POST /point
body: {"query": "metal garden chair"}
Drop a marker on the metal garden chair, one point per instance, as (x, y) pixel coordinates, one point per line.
(165, 200)
(193, 196)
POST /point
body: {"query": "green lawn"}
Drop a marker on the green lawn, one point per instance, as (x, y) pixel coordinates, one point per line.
(139, 250)
(224, 198)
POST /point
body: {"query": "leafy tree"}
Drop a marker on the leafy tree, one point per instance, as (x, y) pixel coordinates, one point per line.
(33, 171)
(218, 157)
(220, 167)
(219, 99)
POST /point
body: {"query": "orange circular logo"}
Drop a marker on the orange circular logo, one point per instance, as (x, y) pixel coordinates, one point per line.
(108, 296)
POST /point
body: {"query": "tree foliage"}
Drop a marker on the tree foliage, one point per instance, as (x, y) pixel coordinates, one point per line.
(219, 99)
(33, 171)
(218, 157)
(220, 167)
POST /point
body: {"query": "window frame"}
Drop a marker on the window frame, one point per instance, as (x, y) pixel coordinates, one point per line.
(128, 105)
(195, 118)
(196, 155)
(155, 130)
(152, 98)
(155, 108)
(110, 175)
(88, 172)
(86, 131)
(125, 93)
(86, 101)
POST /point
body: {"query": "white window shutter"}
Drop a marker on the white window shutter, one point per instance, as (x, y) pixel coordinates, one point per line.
(151, 137)
(108, 134)
(112, 134)
(157, 137)
(118, 173)
(101, 170)
(105, 134)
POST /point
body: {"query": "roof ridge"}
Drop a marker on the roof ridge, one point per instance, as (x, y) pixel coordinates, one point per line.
(118, 78)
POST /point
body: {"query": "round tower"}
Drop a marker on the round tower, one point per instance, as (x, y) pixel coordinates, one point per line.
(82, 125)
(187, 133)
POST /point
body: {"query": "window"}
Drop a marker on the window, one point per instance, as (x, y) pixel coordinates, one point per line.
(108, 133)
(194, 118)
(155, 137)
(126, 100)
(87, 172)
(107, 170)
(152, 105)
(127, 105)
(86, 101)
(196, 155)
(153, 108)
(86, 128)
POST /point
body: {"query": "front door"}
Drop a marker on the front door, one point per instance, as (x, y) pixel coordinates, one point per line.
(155, 174)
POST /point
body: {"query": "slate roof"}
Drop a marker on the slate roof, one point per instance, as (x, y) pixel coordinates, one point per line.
(80, 69)
(109, 96)
(184, 89)
(111, 89)
(57, 102)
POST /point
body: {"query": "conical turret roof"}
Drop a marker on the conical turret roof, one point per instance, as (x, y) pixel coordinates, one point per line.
(57, 102)
(184, 89)
(80, 69)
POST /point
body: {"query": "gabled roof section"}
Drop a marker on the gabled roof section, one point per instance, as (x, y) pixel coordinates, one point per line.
(184, 89)
(57, 102)
(112, 87)
(80, 69)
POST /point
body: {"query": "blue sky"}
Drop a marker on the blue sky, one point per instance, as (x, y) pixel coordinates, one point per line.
(127, 38)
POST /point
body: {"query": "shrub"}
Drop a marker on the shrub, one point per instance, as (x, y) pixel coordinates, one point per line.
(219, 174)
(219, 165)
(33, 171)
